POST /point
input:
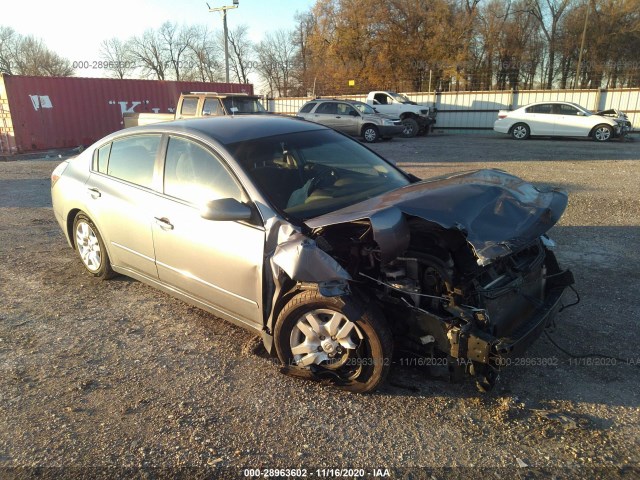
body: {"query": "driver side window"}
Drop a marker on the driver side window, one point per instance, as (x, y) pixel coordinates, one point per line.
(345, 109)
(382, 98)
(194, 174)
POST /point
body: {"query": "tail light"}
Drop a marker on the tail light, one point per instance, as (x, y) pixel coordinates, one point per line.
(54, 179)
(502, 115)
(57, 173)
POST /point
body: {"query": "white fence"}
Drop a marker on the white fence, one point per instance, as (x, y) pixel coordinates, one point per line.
(478, 110)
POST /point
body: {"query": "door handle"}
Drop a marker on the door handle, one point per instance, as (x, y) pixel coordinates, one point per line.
(95, 193)
(163, 223)
(338, 116)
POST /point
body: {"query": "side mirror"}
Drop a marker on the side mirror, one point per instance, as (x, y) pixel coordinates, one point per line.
(225, 209)
(580, 114)
(206, 113)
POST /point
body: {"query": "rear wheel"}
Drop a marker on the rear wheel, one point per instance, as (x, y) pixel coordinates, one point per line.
(370, 133)
(90, 247)
(337, 338)
(602, 133)
(410, 127)
(520, 131)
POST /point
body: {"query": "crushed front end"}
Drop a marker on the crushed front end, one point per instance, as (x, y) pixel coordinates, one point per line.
(461, 267)
(474, 321)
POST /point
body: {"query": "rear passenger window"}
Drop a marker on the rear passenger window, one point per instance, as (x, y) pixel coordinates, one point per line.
(542, 108)
(328, 107)
(308, 107)
(101, 158)
(189, 106)
(133, 158)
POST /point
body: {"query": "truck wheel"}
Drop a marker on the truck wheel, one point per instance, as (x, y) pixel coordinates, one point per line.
(410, 128)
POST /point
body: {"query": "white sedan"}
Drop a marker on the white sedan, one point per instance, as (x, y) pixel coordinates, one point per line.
(564, 119)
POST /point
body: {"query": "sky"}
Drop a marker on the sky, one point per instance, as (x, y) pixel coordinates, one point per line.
(76, 28)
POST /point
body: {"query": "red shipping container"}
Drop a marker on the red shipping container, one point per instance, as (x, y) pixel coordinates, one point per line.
(40, 113)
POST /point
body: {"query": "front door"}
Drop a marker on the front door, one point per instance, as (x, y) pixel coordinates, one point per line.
(571, 122)
(348, 119)
(218, 262)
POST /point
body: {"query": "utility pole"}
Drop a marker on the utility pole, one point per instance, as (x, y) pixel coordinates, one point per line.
(584, 34)
(226, 32)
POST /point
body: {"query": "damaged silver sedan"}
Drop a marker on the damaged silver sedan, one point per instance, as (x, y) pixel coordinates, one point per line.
(328, 251)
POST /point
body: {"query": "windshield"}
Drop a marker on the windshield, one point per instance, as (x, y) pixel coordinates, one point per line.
(307, 174)
(399, 98)
(364, 108)
(237, 105)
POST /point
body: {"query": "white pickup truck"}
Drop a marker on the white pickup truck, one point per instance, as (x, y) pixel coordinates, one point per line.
(417, 119)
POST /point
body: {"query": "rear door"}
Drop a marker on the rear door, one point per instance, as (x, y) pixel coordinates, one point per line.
(540, 119)
(120, 200)
(326, 114)
(218, 262)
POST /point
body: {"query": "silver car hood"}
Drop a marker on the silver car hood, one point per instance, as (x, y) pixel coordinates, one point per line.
(498, 213)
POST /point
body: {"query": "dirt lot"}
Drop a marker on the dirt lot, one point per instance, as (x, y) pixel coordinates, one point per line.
(115, 378)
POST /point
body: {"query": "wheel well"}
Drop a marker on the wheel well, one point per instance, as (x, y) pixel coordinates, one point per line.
(518, 123)
(408, 115)
(70, 219)
(364, 127)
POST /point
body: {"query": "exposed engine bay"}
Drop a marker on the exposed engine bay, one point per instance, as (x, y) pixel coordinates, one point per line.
(442, 305)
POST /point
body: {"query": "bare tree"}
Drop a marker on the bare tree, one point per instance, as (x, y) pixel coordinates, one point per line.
(240, 53)
(202, 55)
(176, 41)
(548, 13)
(117, 55)
(276, 61)
(149, 54)
(8, 38)
(20, 55)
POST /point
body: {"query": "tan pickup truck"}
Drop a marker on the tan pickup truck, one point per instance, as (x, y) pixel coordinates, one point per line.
(200, 104)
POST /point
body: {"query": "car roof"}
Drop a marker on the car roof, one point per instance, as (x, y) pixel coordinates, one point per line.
(231, 129)
(345, 100)
(558, 102)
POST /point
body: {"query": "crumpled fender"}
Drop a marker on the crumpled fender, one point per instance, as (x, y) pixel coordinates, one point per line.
(302, 259)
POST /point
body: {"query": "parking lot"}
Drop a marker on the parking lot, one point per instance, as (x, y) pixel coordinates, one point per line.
(116, 375)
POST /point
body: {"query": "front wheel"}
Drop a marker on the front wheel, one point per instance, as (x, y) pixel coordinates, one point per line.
(90, 247)
(520, 131)
(337, 338)
(602, 133)
(410, 127)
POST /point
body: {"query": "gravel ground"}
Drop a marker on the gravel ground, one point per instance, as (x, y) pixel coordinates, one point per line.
(115, 379)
